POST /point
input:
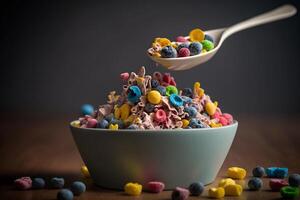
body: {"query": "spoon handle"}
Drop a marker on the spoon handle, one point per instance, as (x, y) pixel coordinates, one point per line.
(281, 12)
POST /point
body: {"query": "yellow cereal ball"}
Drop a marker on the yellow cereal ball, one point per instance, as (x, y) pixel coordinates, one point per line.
(185, 123)
(156, 54)
(163, 41)
(203, 51)
(85, 172)
(216, 193)
(133, 189)
(154, 97)
(226, 181)
(215, 125)
(140, 80)
(125, 111)
(117, 112)
(197, 35)
(76, 123)
(210, 108)
(236, 172)
(113, 126)
(233, 190)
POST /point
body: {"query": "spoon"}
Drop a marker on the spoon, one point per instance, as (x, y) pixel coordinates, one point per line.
(219, 35)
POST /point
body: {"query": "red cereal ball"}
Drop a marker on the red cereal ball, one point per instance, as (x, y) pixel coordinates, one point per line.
(167, 78)
(23, 183)
(184, 52)
(223, 120)
(91, 123)
(277, 184)
(124, 76)
(160, 116)
(181, 39)
(172, 82)
(228, 117)
(155, 186)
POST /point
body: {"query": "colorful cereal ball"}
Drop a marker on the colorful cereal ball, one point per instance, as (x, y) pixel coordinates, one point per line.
(236, 173)
(180, 194)
(195, 48)
(196, 35)
(162, 41)
(171, 90)
(196, 188)
(65, 194)
(289, 192)
(175, 100)
(294, 180)
(207, 45)
(87, 109)
(209, 38)
(38, 183)
(258, 171)
(78, 188)
(168, 52)
(154, 97)
(23, 183)
(216, 193)
(184, 52)
(255, 183)
(233, 190)
(155, 186)
(57, 182)
(134, 94)
(183, 45)
(133, 189)
(181, 39)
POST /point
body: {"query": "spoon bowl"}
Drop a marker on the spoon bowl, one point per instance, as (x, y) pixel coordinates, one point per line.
(219, 35)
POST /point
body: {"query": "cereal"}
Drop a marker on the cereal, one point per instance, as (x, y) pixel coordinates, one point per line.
(78, 188)
(277, 172)
(289, 192)
(85, 172)
(236, 173)
(154, 97)
(197, 35)
(196, 188)
(65, 194)
(181, 39)
(154, 102)
(163, 41)
(226, 181)
(168, 52)
(258, 171)
(133, 189)
(57, 182)
(184, 52)
(180, 194)
(294, 180)
(209, 38)
(23, 183)
(183, 45)
(76, 123)
(216, 193)
(155, 186)
(38, 183)
(124, 76)
(277, 184)
(255, 183)
(207, 45)
(87, 109)
(233, 190)
(195, 48)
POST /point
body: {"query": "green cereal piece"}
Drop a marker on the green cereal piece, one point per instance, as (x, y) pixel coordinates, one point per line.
(207, 45)
(289, 192)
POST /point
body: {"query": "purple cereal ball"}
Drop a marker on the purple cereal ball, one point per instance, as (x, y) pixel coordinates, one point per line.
(91, 123)
(181, 39)
(184, 52)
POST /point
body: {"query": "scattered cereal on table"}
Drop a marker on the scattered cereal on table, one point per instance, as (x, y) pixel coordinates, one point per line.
(23, 183)
(155, 186)
(78, 188)
(226, 181)
(133, 189)
(196, 188)
(57, 182)
(288, 192)
(233, 190)
(216, 193)
(277, 172)
(180, 194)
(277, 184)
(255, 183)
(258, 172)
(38, 183)
(65, 194)
(294, 180)
(236, 173)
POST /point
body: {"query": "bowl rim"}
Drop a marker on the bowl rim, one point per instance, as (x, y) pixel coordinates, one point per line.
(235, 123)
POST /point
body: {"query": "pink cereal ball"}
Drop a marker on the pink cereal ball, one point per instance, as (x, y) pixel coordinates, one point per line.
(181, 39)
(184, 52)
(124, 76)
(23, 183)
(160, 116)
(228, 117)
(216, 115)
(91, 123)
(155, 186)
(223, 121)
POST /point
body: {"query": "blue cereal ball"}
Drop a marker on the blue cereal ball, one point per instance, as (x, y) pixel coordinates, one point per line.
(270, 172)
(102, 124)
(154, 83)
(195, 123)
(186, 100)
(161, 90)
(183, 45)
(196, 188)
(281, 172)
(209, 38)
(192, 111)
(109, 117)
(133, 126)
(195, 48)
(65, 194)
(176, 100)
(57, 182)
(258, 171)
(38, 183)
(134, 94)
(255, 183)
(78, 188)
(87, 109)
(294, 180)
(149, 108)
(187, 92)
(168, 52)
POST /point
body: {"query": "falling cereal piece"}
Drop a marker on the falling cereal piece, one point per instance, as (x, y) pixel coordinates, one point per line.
(133, 189)
(85, 172)
(236, 173)
(216, 193)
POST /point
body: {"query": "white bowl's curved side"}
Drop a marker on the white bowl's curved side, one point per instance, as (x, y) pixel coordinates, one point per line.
(177, 158)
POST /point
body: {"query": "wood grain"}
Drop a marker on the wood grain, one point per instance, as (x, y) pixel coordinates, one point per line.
(43, 146)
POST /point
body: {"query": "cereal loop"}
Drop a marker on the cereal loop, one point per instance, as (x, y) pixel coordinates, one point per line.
(216, 193)
(163, 41)
(125, 111)
(154, 97)
(160, 116)
(185, 123)
(197, 35)
(176, 100)
(171, 90)
(133, 189)
(114, 126)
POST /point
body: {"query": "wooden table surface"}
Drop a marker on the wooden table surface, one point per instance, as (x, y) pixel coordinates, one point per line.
(43, 146)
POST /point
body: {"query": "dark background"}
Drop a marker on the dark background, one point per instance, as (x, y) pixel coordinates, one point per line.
(57, 55)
